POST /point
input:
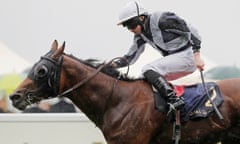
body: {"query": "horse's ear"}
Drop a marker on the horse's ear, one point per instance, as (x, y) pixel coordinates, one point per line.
(54, 45)
(59, 51)
(62, 47)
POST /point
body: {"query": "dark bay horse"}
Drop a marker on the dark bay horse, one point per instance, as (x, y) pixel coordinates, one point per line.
(122, 109)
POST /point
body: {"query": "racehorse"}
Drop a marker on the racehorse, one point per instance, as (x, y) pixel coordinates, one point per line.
(122, 108)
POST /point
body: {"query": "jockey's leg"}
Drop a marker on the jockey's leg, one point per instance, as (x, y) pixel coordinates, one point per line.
(164, 88)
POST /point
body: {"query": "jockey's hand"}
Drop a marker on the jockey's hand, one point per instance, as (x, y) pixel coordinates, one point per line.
(198, 61)
(113, 65)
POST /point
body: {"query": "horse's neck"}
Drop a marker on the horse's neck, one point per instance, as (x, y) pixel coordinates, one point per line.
(92, 97)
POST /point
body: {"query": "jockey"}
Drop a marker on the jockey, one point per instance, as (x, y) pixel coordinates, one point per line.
(177, 41)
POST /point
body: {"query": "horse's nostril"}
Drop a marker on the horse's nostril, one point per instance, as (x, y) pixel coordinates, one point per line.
(15, 96)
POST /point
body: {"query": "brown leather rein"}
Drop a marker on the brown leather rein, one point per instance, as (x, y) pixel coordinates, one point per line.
(88, 78)
(82, 82)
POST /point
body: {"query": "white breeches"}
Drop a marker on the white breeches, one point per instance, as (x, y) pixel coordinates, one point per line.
(173, 66)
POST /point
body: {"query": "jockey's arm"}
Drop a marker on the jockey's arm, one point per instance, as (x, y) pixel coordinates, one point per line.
(133, 54)
(198, 61)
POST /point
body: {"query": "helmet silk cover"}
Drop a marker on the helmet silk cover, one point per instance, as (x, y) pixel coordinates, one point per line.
(130, 10)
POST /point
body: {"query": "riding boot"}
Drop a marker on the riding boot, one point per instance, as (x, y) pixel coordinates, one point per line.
(163, 87)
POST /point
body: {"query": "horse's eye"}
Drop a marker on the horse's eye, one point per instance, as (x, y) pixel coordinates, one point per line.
(42, 71)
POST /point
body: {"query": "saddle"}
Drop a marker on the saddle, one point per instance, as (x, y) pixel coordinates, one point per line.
(197, 104)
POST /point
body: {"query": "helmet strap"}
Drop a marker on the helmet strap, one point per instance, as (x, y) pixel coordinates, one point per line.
(138, 15)
(141, 22)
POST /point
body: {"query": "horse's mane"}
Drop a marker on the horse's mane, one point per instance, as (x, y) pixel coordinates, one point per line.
(113, 72)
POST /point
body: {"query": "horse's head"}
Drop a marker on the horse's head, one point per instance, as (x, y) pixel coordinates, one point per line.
(42, 81)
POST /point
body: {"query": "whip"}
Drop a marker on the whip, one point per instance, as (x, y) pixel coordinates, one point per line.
(214, 106)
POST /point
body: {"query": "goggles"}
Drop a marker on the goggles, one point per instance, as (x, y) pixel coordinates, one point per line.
(132, 23)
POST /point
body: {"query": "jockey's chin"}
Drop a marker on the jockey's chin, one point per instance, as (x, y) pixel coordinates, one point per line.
(137, 30)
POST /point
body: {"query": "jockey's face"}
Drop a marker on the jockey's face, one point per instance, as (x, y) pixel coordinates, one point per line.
(137, 30)
(134, 25)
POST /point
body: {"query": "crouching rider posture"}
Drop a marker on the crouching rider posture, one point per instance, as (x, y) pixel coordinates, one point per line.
(169, 34)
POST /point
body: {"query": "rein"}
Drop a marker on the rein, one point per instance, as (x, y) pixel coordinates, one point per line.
(54, 75)
(89, 78)
(82, 82)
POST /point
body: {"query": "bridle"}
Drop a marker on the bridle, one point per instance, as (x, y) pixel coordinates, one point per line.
(46, 74)
(53, 77)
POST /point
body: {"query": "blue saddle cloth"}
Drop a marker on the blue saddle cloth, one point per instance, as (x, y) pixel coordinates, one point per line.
(197, 103)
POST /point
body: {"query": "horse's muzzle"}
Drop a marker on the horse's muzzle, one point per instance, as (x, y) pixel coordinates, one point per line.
(17, 101)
